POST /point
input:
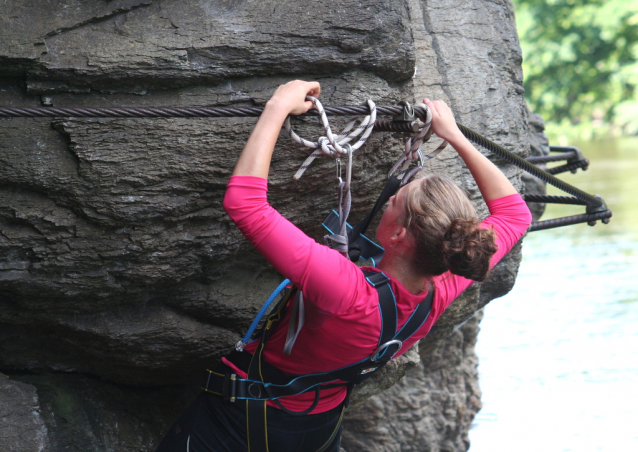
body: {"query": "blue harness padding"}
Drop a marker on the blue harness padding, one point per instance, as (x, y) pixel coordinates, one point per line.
(370, 251)
(358, 244)
(241, 344)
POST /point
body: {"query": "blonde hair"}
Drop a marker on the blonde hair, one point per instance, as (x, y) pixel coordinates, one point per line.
(445, 227)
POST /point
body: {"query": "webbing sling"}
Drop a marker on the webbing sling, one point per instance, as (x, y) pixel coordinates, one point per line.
(358, 244)
(264, 382)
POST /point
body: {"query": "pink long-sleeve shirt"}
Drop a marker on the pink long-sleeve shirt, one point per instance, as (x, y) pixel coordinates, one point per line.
(342, 323)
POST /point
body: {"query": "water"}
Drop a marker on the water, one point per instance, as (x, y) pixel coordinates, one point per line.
(559, 354)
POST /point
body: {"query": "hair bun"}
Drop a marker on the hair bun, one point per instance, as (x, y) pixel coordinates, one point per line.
(467, 249)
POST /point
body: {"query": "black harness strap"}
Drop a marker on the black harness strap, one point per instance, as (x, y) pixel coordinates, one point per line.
(387, 305)
(388, 191)
(354, 236)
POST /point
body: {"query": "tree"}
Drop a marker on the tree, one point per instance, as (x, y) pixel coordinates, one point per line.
(580, 60)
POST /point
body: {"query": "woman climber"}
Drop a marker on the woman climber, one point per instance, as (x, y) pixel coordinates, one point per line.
(434, 248)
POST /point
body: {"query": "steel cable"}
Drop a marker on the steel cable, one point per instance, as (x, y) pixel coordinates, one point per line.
(584, 164)
(190, 112)
(567, 221)
(536, 159)
(529, 197)
(180, 112)
(526, 166)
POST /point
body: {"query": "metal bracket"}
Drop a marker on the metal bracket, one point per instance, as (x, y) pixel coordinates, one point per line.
(407, 115)
(594, 209)
(578, 156)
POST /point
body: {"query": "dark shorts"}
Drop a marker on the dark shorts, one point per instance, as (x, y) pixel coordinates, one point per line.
(213, 424)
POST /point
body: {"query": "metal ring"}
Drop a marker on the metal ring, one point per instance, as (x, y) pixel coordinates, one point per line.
(250, 390)
(374, 356)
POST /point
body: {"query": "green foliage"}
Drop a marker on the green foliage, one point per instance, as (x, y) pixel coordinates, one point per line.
(580, 63)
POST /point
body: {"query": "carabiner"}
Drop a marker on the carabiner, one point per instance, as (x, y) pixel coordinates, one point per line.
(348, 150)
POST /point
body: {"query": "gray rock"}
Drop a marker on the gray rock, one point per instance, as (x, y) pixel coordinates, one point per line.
(431, 409)
(22, 428)
(79, 413)
(79, 46)
(117, 261)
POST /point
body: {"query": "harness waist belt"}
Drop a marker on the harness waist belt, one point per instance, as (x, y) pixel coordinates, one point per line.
(278, 384)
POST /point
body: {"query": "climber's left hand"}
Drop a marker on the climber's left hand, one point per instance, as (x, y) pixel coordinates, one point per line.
(291, 97)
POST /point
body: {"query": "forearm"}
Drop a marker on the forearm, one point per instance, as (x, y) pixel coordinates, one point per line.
(288, 99)
(490, 180)
(257, 154)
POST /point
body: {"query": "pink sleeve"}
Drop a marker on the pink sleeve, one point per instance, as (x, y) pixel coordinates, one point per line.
(326, 278)
(510, 217)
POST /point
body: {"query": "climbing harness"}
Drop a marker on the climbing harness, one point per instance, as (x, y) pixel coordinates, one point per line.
(266, 383)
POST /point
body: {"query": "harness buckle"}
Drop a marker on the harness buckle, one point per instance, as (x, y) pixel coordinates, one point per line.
(382, 348)
(229, 387)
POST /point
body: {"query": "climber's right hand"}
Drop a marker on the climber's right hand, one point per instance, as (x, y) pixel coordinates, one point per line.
(443, 123)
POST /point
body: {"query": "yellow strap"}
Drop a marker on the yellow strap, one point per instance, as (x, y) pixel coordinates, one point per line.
(266, 426)
(334, 432)
(212, 392)
(216, 373)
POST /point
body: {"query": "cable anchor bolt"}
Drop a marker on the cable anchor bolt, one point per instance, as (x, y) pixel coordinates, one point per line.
(407, 115)
(400, 122)
(577, 158)
(596, 209)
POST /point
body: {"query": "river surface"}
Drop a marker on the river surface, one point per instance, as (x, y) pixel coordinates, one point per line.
(559, 354)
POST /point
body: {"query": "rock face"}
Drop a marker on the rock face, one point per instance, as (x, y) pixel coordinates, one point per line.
(121, 277)
(416, 414)
(21, 426)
